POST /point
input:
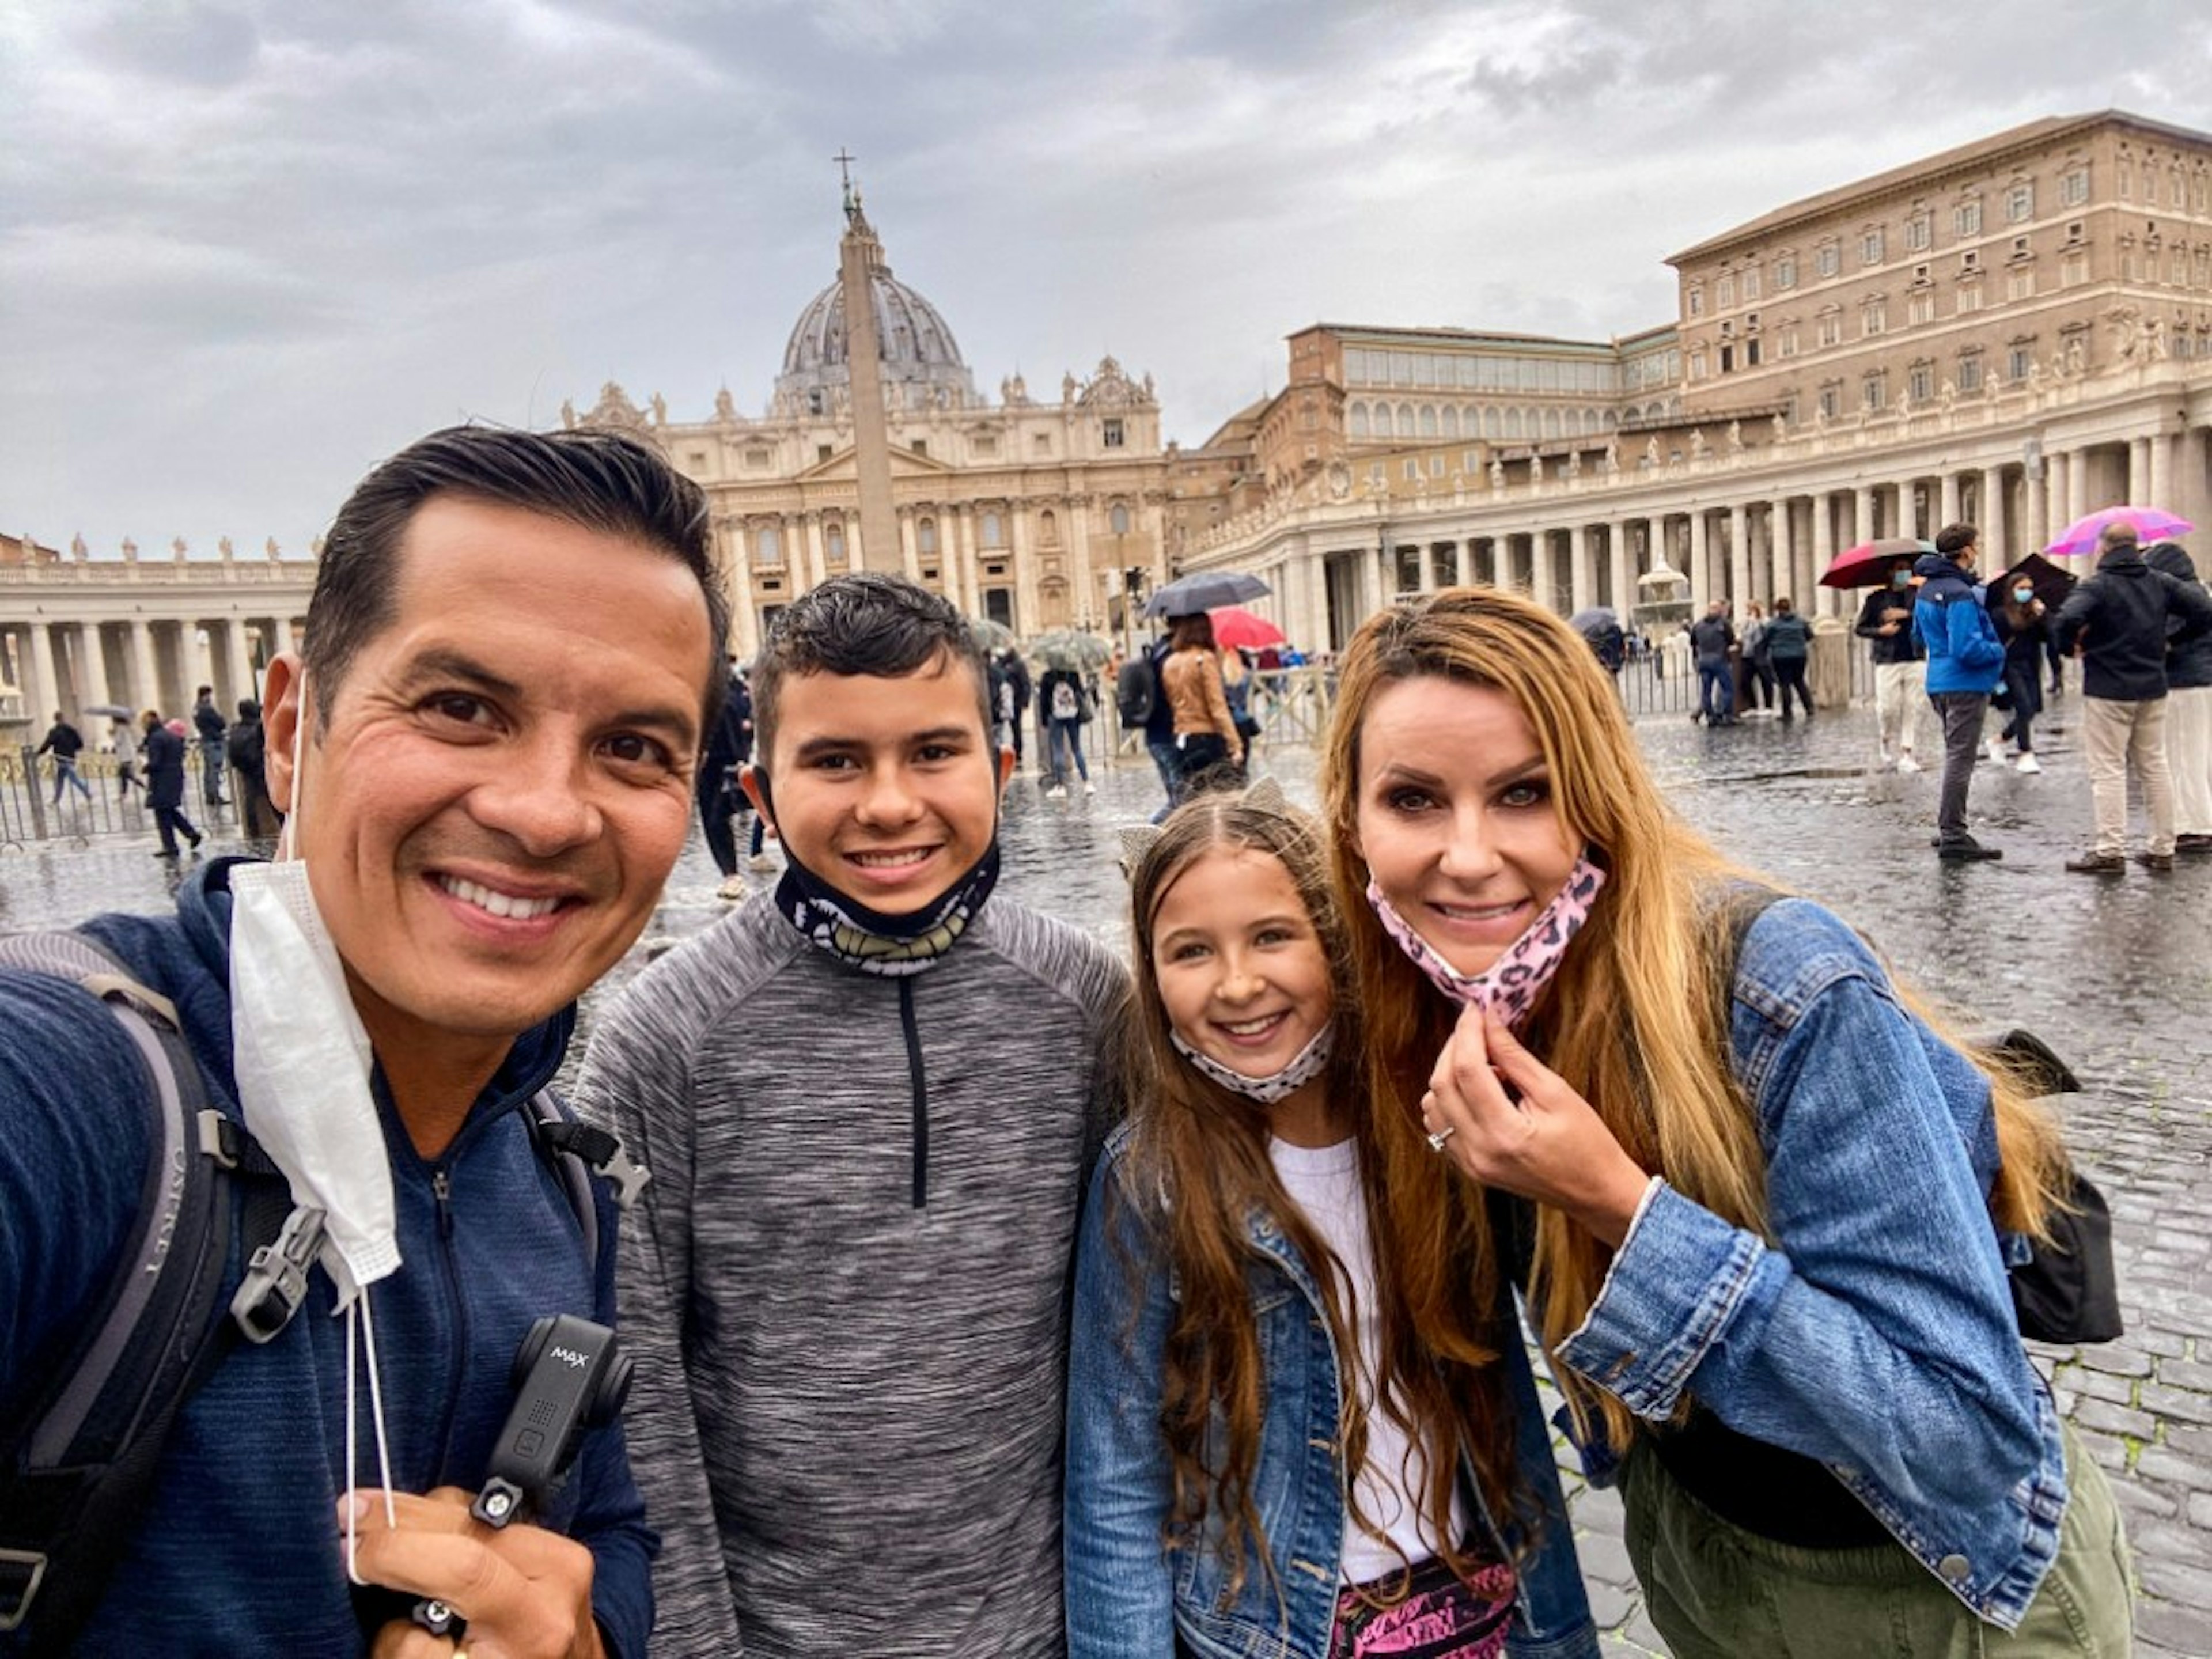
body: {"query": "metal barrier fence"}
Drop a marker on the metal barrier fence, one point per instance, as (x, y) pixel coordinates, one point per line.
(31, 811)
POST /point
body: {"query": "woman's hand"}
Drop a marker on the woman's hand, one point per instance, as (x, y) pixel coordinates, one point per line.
(1551, 1147)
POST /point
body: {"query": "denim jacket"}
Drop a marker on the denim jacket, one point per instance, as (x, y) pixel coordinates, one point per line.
(1877, 1334)
(1129, 1596)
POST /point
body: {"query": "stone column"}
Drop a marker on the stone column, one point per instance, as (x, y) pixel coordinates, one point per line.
(145, 682)
(244, 681)
(1740, 558)
(1025, 576)
(909, 560)
(745, 613)
(1824, 552)
(2037, 488)
(44, 694)
(1084, 598)
(1778, 550)
(2138, 479)
(2160, 477)
(1702, 587)
(1997, 550)
(2077, 485)
(1581, 569)
(1543, 576)
(1621, 569)
(1948, 495)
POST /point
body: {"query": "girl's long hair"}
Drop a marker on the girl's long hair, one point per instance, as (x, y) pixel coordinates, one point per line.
(1198, 1165)
(1635, 1021)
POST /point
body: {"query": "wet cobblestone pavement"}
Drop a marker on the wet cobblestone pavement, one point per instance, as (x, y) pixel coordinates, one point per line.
(2116, 973)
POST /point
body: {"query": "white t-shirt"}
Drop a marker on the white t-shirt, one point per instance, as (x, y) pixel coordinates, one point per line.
(1323, 1181)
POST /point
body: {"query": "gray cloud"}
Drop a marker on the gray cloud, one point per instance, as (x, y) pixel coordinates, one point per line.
(247, 248)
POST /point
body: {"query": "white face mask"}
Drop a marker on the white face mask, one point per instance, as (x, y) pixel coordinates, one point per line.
(303, 1058)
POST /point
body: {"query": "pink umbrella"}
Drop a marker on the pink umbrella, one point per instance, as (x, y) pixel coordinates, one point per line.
(2152, 524)
(1237, 629)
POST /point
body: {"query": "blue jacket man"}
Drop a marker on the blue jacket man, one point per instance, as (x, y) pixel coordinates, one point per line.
(1966, 661)
(486, 749)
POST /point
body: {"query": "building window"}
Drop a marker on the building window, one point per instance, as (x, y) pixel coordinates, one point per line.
(1785, 271)
(1428, 420)
(1359, 420)
(925, 536)
(2127, 178)
(1047, 528)
(822, 452)
(1697, 366)
(991, 528)
(767, 544)
(1117, 519)
(1919, 233)
(833, 542)
(1751, 283)
(919, 447)
(1920, 382)
(1412, 469)
(1110, 433)
(1724, 292)
(1832, 399)
(1970, 294)
(2073, 271)
(1831, 327)
(1790, 340)
(1435, 466)
(1970, 371)
(1870, 248)
(1830, 258)
(1696, 300)
(1966, 218)
(757, 458)
(1920, 308)
(986, 445)
(1751, 352)
(2018, 361)
(1873, 390)
(2020, 203)
(2021, 284)
(1873, 316)
(2074, 186)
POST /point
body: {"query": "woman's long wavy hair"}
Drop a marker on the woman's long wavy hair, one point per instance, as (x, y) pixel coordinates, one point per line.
(1198, 1165)
(1634, 1022)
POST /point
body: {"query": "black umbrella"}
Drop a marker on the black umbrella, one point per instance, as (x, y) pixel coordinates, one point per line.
(1190, 596)
(1595, 620)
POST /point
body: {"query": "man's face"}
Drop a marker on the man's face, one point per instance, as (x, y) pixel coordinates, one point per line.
(505, 780)
(887, 788)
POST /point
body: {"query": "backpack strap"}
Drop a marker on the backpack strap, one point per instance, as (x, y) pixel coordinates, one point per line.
(579, 1151)
(76, 1468)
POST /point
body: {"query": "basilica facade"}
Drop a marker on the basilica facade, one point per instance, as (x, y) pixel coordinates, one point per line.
(1028, 511)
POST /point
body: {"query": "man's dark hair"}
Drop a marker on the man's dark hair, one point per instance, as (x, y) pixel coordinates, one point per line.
(863, 623)
(600, 480)
(1955, 539)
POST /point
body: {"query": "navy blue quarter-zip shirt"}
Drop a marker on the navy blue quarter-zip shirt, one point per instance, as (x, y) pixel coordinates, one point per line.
(240, 1551)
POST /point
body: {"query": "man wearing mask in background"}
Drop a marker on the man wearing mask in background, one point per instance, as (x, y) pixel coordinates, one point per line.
(869, 1100)
(1886, 618)
(486, 748)
(1951, 623)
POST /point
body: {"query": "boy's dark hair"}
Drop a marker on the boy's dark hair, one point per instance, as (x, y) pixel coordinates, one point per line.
(600, 480)
(864, 623)
(1955, 537)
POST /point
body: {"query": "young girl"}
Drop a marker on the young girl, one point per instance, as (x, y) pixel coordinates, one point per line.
(2023, 629)
(1756, 1188)
(1260, 1459)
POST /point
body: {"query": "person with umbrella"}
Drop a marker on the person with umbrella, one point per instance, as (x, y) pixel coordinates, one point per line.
(2121, 622)
(1886, 619)
(1207, 739)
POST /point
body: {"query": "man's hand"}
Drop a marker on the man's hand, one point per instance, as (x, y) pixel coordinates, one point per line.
(525, 1592)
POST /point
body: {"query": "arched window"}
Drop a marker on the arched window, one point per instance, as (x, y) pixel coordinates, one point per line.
(767, 543)
(1047, 528)
(1512, 423)
(1359, 420)
(1117, 519)
(833, 539)
(1383, 420)
(925, 536)
(1428, 420)
(1488, 417)
(991, 530)
(1451, 421)
(1551, 423)
(1406, 428)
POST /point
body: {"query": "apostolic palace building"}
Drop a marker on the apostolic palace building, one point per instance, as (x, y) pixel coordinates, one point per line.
(2013, 332)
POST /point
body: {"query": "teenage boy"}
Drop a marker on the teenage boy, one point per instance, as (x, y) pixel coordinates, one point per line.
(512, 651)
(1951, 623)
(869, 1101)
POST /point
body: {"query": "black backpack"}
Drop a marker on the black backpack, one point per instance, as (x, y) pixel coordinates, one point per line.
(77, 1466)
(1134, 690)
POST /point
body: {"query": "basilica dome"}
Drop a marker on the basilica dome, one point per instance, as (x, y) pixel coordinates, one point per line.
(922, 364)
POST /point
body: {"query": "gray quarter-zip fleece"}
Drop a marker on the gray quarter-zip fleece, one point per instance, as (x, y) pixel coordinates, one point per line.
(846, 1287)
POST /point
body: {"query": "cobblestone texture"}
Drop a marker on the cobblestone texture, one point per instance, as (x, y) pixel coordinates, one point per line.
(2116, 973)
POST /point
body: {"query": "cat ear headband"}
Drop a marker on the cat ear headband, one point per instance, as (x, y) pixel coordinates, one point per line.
(1266, 796)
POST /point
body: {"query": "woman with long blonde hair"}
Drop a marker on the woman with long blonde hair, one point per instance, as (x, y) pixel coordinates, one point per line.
(1263, 1456)
(1758, 1201)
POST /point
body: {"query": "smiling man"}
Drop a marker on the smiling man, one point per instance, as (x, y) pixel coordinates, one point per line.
(513, 648)
(870, 1102)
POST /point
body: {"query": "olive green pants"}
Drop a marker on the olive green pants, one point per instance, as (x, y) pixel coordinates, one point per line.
(1716, 1591)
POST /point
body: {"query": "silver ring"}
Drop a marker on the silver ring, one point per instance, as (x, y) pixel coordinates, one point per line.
(1437, 1140)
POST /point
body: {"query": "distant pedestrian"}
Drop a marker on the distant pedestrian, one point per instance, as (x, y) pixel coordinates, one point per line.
(1017, 682)
(125, 739)
(208, 722)
(1710, 638)
(246, 748)
(2025, 632)
(1788, 646)
(729, 748)
(164, 751)
(64, 743)
(1143, 702)
(1965, 664)
(2189, 715)
(2118, 622)
(1754, 677)
(1066, 709)
(1209, 749)
(1886, 619)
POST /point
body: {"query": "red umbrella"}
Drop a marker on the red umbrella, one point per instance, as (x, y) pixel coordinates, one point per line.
(1237, 628)
(1867, 564)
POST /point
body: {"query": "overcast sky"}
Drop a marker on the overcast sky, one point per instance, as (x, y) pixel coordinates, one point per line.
(248, 249)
